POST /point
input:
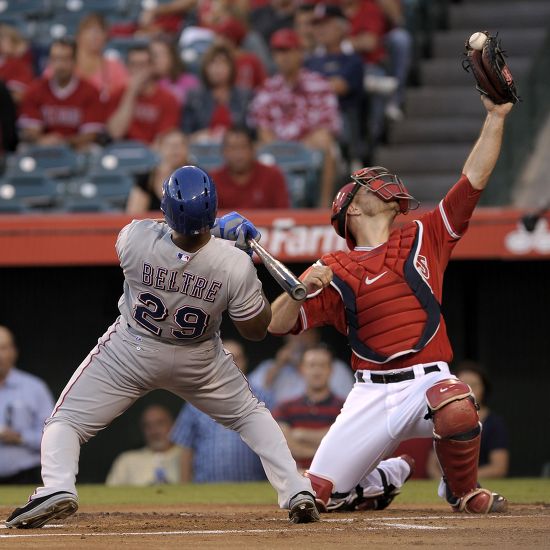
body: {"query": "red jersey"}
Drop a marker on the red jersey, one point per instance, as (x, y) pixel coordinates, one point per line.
(303, 413)
(392, 314)
(370, 18)
(154, 114)
(66, 111)
(265, 188)
(16, 72)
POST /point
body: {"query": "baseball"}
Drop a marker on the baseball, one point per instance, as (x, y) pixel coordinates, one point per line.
(109, 162)
(27, 164)
(477, 40)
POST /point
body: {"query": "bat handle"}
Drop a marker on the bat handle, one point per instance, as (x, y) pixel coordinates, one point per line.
(288, 281)
(299, 292)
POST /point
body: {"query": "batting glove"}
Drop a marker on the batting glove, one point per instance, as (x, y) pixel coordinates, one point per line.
(234, 227)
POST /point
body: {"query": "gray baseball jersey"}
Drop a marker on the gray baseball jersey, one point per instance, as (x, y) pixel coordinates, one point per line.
(177, 296)
(167, 336)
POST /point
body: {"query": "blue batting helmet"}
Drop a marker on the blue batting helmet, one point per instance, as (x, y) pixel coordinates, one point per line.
(189, 201)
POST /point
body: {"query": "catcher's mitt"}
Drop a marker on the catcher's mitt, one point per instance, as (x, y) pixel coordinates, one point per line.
(489, 68)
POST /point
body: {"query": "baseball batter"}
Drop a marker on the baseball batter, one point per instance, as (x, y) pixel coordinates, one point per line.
(178, 280)
(385, 295)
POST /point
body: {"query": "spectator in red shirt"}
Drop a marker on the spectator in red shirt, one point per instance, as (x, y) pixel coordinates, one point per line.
(307, 419)
(15, 62)
(243, 182)
(250, 70)
(63, 108)
(145, 110)
(298, 105)
(368, 26)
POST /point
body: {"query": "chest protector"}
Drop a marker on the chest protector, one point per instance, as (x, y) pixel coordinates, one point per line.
(390, 309)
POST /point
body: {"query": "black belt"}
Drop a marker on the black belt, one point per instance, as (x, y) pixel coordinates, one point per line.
(376, 378)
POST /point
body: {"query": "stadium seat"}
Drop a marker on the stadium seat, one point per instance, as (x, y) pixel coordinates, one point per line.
(119, 46)
(82, 7)
(62, 25)
(301, 166)
(132, 157)
(75, 205)
(206, 155)
(12, 206)
(54, 161)
(107, 187)
(27, 8)
(29, 189)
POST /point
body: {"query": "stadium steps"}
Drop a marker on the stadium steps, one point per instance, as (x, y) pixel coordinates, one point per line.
(444, 115)
(449, 72)
(439, 101)
(516, 41)
(429, 188)
(436, 158)
(473, 16)
(445, 129)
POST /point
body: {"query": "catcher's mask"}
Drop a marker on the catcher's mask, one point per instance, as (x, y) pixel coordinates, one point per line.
(376, 179)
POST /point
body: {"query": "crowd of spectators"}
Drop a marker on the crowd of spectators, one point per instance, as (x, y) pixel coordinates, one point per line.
(327, 74)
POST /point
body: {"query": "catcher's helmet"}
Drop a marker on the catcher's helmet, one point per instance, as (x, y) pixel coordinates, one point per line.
(379, 181)
(189, 201)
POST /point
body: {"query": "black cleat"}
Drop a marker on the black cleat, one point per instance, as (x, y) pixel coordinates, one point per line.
(303, 509)
(39, 511)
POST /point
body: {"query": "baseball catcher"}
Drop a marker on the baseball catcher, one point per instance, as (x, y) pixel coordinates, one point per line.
(384, 295)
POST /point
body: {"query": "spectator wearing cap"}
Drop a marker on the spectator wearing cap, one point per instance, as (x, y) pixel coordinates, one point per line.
(144, 110)
(244, 182)
(61, 109)
(343, 70)
(168, 67)
(298, 105)
(15, 61)
(275, 15)
(218, 104)
(250, 70)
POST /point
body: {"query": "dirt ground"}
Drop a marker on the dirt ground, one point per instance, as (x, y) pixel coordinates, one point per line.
(265, 527)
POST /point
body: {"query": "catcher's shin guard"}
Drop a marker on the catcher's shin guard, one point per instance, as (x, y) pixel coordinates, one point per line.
(457, 430)
(323, 490)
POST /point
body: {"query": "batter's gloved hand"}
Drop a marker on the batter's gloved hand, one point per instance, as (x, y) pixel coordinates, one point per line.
(234, 227)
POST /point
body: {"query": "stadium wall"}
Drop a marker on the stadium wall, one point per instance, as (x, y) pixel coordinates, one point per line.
(496, 312)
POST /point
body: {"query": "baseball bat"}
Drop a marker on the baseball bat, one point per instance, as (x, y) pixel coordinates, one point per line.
(284, 277)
